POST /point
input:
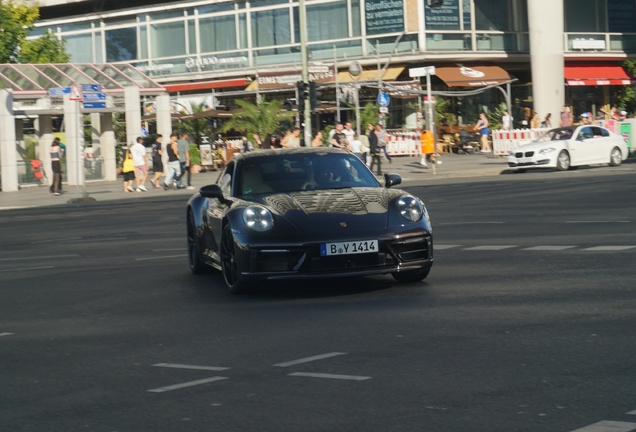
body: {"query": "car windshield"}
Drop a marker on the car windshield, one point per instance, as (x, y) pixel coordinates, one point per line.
(295, 172)
(556, 135)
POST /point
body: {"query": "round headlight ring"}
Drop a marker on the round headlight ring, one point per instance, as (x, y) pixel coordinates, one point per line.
(258, 218)
(410, 208)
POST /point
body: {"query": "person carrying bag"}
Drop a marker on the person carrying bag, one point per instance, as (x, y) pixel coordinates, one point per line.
(128, 170)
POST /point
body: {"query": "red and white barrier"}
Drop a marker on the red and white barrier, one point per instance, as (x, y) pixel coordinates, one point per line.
(504, 141)
(403, 144)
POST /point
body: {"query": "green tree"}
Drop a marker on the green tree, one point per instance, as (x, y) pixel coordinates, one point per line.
(264, 118)
(16, 21)
(195, 127)
(625, 94)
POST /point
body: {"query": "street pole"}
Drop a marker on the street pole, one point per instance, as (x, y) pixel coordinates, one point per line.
(335, 65)
(305, 69)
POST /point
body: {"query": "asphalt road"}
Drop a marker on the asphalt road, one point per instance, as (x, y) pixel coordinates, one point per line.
(524, 324)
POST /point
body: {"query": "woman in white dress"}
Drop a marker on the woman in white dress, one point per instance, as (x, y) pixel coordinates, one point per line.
(292, 140)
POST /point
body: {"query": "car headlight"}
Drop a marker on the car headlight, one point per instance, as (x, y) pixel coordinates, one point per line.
(410, 208)
(546, 150)
(258, 218)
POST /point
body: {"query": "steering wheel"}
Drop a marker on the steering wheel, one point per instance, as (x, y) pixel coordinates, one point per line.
(308, 186)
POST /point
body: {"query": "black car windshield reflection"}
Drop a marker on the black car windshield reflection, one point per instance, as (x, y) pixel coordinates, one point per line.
(559, 134)
(284, 173)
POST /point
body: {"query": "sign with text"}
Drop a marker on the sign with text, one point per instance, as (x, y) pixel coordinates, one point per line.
(94, 96)
(91, 88)
(283, 79)
(94, 105)
(445, 17)
(384, 16)
(59, 91)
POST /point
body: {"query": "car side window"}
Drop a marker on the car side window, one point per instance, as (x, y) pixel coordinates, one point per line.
(585, 133)
(225, 179)
(597, 131)
(604, 132)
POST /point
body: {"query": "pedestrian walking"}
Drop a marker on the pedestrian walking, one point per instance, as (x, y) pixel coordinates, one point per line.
(317, 141)
(157, 163)
(383, 140)
(184, 158)
(535, 121)
(292, 139)
(427, 141)
(174, 165)
(247, 144)
(506, 120)
(258, 142)
(56, 154)
(128, 170)
(482, 128)
(349, 132)
(356, 147)
(374, 149)
(60, 155)
(339, 139)
(567, 119)
(138, 152)
(547, 122)
(271, 142)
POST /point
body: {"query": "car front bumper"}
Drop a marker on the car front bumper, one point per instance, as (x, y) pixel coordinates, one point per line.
(530, 159)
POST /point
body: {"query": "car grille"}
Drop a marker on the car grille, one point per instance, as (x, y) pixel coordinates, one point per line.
(518, 154)
(529, 154)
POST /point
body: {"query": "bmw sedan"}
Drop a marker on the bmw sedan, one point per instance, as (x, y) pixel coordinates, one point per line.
(570, 147)
(306, 213)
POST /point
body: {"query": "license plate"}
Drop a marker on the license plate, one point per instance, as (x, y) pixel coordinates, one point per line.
(348, 248)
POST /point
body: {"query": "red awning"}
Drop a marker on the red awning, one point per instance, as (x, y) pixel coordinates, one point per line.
(594, 75)
(205, 85)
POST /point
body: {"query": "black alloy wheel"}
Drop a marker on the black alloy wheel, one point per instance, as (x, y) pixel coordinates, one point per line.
(411, 275)
(197, 266)
(229, 264)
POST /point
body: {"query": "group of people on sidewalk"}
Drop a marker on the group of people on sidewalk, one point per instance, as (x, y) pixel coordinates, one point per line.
(135, 166)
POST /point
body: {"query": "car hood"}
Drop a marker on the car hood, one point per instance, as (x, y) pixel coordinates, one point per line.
(536, 146)
(325, 210)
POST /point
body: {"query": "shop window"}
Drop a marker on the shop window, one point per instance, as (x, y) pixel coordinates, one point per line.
(192, 38)
(621, 15)
(242, 20)
(580, 16)
(143, 42)
(467, 15)
(492, 15)
(445, 17)
(168, 39)
(80, 47)
(271, 27)
(218, 34)
(355, 18)
(383, 16)
(121, 44)
(327, 21)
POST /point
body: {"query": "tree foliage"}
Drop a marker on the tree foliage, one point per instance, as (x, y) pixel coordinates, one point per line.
(625, 94)
(195, 127)
(264, 118)
(16, 21)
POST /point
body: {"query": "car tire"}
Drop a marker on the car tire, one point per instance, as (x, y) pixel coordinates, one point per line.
(411, 275)
(229, 265)
(616, 157)
(197, 266)
(563, 161)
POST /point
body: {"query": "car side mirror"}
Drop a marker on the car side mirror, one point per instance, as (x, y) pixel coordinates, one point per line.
(211, 191)
(392, 180)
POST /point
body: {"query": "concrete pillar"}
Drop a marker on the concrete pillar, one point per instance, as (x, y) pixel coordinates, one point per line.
(108, 144)
(45, 138)
(133, 114)
(74, 127)
(545, 21)
(96, 133)
(164, 122)
(8, 153)
(19, 139)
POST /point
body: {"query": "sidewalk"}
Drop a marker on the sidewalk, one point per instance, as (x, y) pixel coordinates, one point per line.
(452, 166)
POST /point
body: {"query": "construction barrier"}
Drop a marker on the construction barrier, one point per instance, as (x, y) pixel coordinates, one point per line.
(403, 144)
(504, 141)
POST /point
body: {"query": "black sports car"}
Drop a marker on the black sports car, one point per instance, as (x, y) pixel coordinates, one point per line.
(306, 213)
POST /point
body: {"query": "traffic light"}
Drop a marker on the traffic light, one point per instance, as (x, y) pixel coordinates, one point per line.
(303, 91)
(314, 96)
(435, 3)
(288, 105)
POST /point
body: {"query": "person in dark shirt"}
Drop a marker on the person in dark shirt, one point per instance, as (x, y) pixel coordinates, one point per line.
(157, 163)
(374, 149)
(339, 139)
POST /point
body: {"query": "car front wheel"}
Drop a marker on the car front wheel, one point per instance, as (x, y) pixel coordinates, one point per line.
(563, 161)
(197, 266)
(411, 276)
(616, 157)
(229, 264)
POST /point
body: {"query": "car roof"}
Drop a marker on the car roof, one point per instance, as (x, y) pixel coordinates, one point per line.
(289, 151)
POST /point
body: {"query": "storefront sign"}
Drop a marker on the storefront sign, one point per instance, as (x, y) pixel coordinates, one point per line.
(192, 62)
(588, 44)
(384, 16)
(445, 17)
(403, 89)
(626, 131)
(282, 79)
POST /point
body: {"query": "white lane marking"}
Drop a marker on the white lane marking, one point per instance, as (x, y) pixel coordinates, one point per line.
(16, 207)
(330, 376)
(609, 248)
(39, 257)
(632, 412)
(182, 366)
(26, 269)
(443, 247)
(470, 223)
(161, 257)
(93, 240)
(603, 221)
(186, 384)
(549, 248)
(169, 250)
(5, 334)
(309, 359)
(488, 248)
(608, 426)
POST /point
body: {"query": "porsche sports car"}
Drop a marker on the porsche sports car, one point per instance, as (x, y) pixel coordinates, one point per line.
(569, 147)
(306, 213)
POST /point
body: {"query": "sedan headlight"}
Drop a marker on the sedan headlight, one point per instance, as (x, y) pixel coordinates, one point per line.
(258, 218)
(545, 151)
(410, 208)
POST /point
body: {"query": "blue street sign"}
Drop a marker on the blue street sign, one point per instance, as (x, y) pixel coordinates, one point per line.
(59, 91)
(384, 99)
(91, 88)
(94, 96)
(94, 105)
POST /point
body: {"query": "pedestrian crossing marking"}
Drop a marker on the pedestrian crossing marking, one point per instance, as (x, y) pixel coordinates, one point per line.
(493, 247)
(549, 248)
(609, 248)
(608, 426)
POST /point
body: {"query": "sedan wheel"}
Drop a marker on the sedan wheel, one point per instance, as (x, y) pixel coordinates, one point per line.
(197, 266)
(411, 276)
(229, 264)
(616, 157)
(563, 161)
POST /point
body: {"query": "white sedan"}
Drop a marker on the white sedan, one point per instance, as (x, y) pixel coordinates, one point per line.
(569, 147)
